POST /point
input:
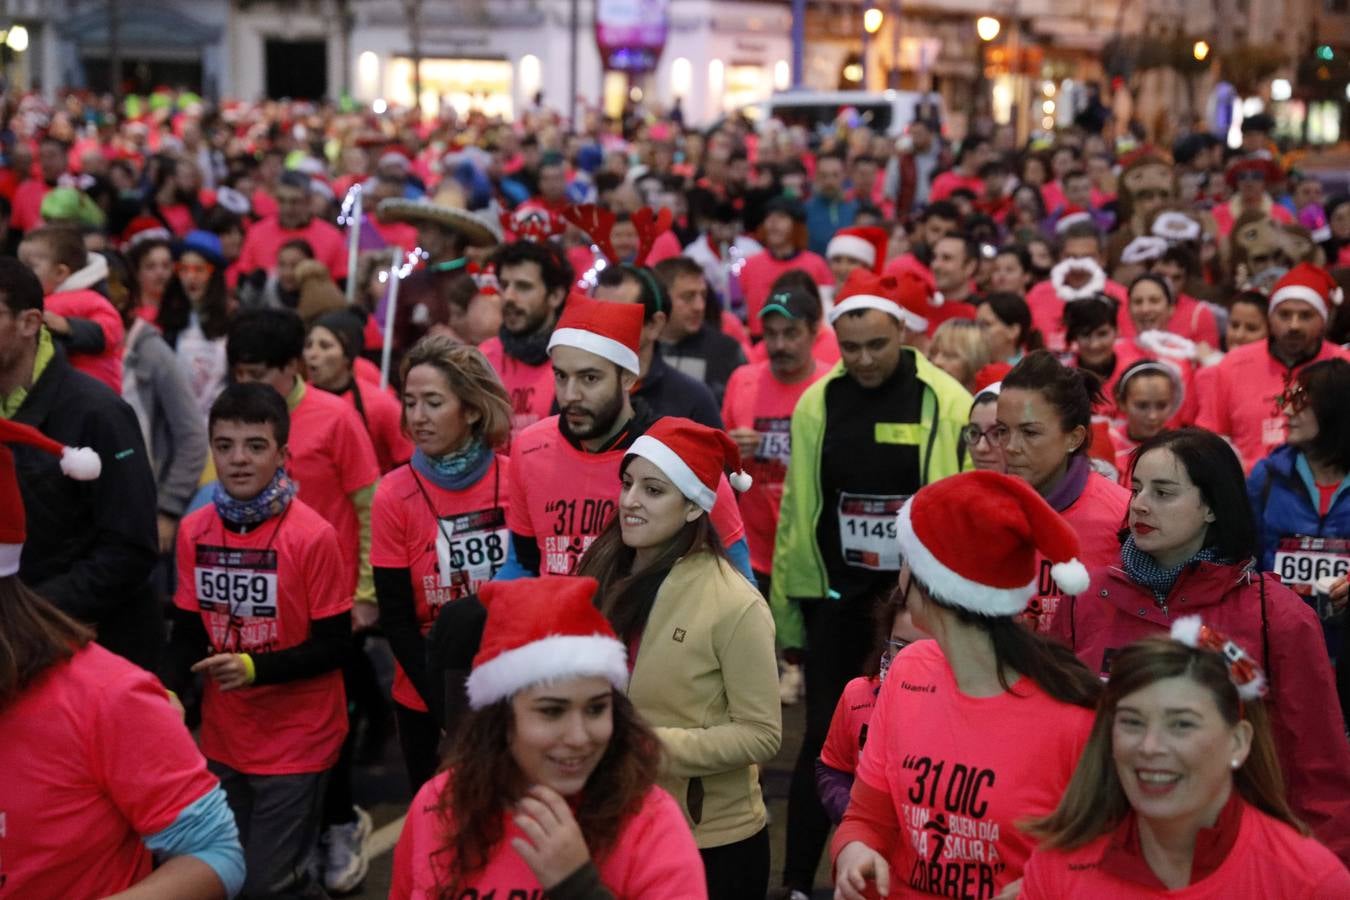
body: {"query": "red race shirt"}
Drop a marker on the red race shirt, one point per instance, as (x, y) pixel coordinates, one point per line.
(530, 387)
(106, 366)
(1269, 860)
(331, 458)
(258, 593)
(762, 270)
(848, 727)
(653, 857)
(79, 792)
(451, 541)
(755, 399)
(1096, 516)
(1239, 401)
(265, 239)
(564, 498)
(962, 772)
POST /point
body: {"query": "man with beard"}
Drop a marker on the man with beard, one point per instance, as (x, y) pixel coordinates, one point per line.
(533, 279)
(1250, 390)
(565, 469)
(877, 427)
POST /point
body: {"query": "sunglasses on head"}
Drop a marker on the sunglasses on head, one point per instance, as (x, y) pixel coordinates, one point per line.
(1295, 398)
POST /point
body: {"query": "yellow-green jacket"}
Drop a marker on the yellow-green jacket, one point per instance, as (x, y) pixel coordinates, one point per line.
(798, 567)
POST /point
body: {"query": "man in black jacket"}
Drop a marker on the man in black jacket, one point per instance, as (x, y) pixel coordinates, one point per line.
(91, 545)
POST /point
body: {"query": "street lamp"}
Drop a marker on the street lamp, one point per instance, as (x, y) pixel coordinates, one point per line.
(1200, 51)
(987, 27)
(17, 39)
(871, 25)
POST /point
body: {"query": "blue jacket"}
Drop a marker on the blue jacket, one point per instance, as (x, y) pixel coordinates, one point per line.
(1285, 502)
(824, 218)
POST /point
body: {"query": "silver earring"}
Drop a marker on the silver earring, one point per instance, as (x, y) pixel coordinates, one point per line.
(1235, 763)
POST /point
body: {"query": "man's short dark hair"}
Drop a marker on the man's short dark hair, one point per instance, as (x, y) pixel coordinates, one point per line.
(968, 246)
(667, 270)
(20, 289)
(831, 154)
(253, 404)
(1078, 231)
(298, 180)
(1074, 175)
(650, 293)
(272, 337)
(554, 268)
(607, 181)
(941, 209)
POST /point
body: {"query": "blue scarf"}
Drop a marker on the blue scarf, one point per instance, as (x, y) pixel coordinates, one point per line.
(272, 501)
(1145, 571)
(455, 471)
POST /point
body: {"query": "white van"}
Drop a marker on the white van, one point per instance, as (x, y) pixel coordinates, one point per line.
(885, 112)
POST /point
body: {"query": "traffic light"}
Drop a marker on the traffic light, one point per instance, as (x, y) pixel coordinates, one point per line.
(1324, 52)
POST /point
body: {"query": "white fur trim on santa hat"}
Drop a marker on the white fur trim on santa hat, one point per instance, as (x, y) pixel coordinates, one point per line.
(889, 307)
(1142, 249)
(741, 481)
(621, 355)
(1059, 277)
(852, 246)
(1299, 292)
(1074, 218)
(1176, 226)
(551, 659)
(9, 559)
(1071, 577)
(949, 586)
(676, 469)
(80, 463)
(1187, 630)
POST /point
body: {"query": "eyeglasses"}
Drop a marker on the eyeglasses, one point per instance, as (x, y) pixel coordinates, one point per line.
(185, 268)
(972, 434)
(894, 646)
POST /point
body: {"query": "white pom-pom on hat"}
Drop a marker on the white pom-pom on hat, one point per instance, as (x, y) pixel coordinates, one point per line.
(81, 463)
(741, 481)
(1072, 576)
(1187, 630)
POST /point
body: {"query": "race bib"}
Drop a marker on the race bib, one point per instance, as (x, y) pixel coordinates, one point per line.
(237, 588)
(1300, 561)
(1273, 430)
(867, 531)
(775, 442)
(470, 548)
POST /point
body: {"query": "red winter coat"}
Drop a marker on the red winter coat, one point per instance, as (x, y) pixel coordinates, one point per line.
(1282, 633)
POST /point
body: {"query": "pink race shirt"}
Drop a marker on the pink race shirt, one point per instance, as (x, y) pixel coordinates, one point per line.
(564, 498)
(1240, 402)
(258, 593)
(265, 239)
(762, 270)
(1096, 516)
(530, 387)
(848, 727)
(331, 458)
(755, 399)
(962, 772)
(383, 417)
(106, 365)
(1268, 860)
(451, 541)
(653, 858)
(79, 793)
(824, 348)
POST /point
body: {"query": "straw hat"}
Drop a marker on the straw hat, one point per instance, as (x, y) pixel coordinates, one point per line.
(447, 210)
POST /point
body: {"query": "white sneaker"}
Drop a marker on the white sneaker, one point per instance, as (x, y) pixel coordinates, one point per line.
(345, 862)
(791, 686)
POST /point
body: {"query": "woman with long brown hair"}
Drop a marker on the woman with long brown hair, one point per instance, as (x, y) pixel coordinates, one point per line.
(980, 726)
(1179, 788)
(88, 809)
(704, 673)
(551, 784)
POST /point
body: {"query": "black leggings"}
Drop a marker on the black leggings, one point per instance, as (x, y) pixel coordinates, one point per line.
(419, 738)
(738, 871)
(838, 639)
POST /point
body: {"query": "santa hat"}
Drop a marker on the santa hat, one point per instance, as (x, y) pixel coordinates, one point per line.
(542, 630)
(864, 289)
(990, 378)
(917, 296)
(77, 462)
(867, 244)
(973, 540)
(693, 457)
(1311, 284)
(144, 228)
(612, 331)
(1073, 215)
